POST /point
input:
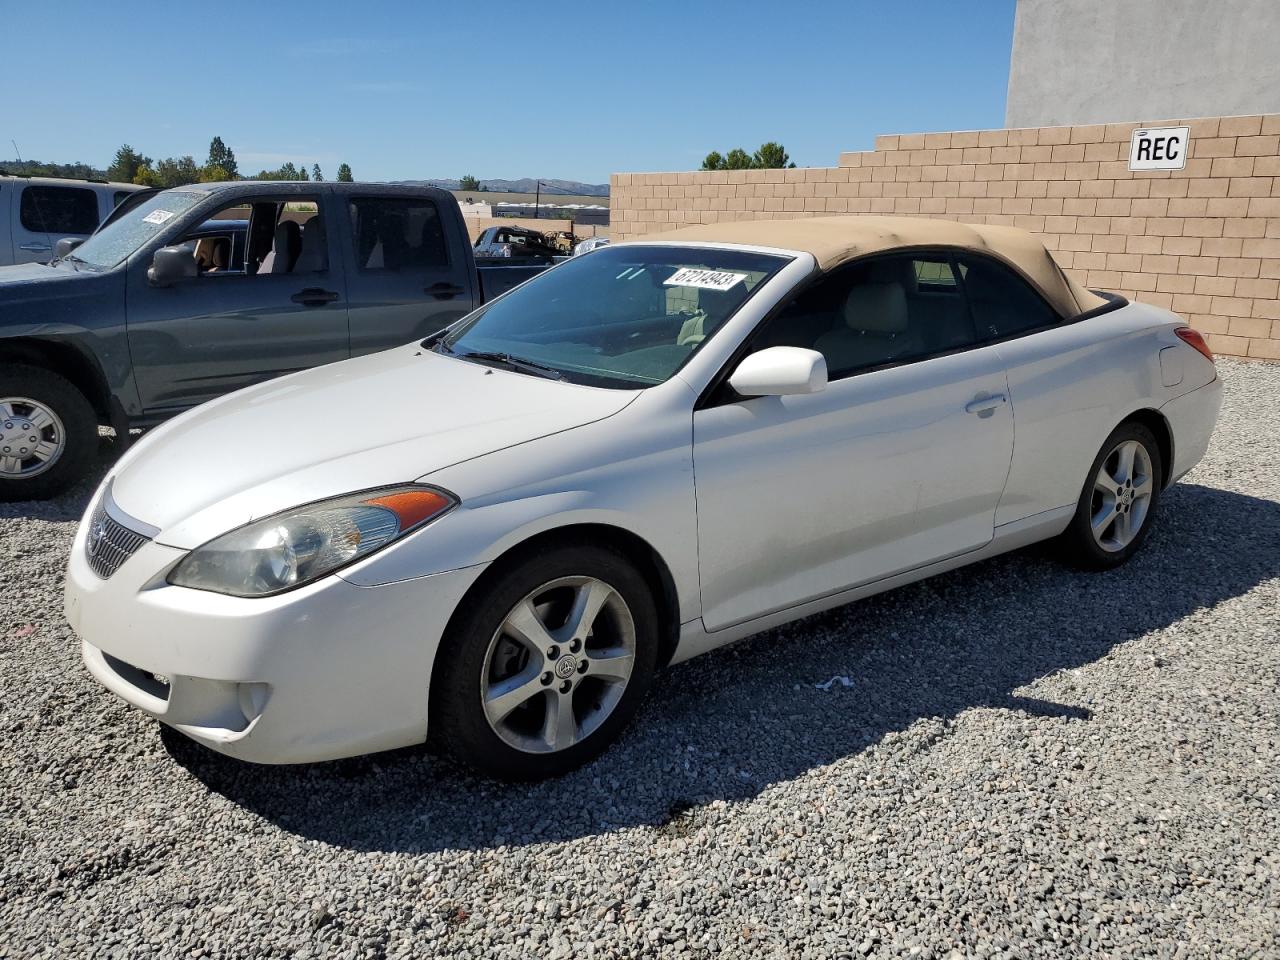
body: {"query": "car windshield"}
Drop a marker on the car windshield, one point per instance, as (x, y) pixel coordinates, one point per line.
(119, 238)
(626, 316)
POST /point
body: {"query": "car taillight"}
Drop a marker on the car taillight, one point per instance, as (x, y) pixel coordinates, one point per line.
(1194, 338)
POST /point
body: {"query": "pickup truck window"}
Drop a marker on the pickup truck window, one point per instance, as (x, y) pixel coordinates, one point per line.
(392, 233)
(121, 237)
(287, 237)
(59, 210)
(626, 317)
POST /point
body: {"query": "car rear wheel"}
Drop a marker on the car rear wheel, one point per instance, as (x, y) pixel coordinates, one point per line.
(546, 664)
(48, 433)
(1119, 502)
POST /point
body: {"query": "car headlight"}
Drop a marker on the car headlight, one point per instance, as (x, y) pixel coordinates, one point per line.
(300, 545)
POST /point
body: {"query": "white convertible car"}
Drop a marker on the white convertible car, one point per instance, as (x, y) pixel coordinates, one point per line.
(496, 536)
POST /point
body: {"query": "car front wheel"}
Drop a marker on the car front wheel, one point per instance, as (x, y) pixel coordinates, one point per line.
(545, 664)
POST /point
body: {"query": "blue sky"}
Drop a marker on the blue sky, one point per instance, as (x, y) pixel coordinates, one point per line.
(564, 89)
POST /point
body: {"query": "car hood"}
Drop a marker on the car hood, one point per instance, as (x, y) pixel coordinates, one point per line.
(387, 418)
(21, 282)
(17, 276)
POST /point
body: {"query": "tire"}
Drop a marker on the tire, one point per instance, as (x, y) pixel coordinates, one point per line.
(1125, 499)
(481, 659)
(28, 396)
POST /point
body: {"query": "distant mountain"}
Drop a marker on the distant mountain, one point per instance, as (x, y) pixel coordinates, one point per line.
(529, 185)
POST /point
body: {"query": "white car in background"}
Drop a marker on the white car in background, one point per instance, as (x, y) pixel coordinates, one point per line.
(37, 212)
(591, 243)
(498, 535)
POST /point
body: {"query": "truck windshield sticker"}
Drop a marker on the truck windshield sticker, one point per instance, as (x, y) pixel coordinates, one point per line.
(157, 216)
(704, 279)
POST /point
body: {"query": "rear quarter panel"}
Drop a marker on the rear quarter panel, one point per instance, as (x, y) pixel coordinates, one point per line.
(1071, 386)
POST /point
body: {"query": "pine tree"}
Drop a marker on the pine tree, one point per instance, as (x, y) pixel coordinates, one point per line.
(220, 155)
(126, 164)
(344, 173)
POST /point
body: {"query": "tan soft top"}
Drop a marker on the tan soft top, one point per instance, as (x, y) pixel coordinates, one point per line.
(836, 240)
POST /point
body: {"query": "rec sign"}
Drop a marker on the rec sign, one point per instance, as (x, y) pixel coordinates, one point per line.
(1159, 148)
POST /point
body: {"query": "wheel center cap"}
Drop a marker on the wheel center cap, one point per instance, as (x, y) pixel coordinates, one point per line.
(566, 666)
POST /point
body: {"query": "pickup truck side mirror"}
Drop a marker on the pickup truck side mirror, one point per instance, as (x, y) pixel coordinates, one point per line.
(171, 264)
(64, 246)
(780, 372)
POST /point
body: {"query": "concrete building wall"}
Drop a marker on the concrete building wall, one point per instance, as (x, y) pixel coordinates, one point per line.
(1100, 61)
(1204, 241)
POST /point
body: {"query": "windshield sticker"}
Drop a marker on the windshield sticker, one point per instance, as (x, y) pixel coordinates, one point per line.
(704, 279)
(157, 216)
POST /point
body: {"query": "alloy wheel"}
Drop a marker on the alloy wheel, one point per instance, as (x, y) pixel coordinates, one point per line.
(32, 438)
(558, 664)
(1121, 496)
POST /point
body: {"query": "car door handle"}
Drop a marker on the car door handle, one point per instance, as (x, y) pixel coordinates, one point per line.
(314, 297)
(33, 246)
(985, 405)
(444, 291)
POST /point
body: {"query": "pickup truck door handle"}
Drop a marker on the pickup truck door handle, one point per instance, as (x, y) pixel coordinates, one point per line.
(314, 297)
(33, 246)
(985, 406)
(444, 291)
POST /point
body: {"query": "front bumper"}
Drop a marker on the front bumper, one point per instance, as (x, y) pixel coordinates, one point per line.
(329, 670)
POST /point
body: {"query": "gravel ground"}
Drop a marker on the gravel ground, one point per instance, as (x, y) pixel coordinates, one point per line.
(1025, 762)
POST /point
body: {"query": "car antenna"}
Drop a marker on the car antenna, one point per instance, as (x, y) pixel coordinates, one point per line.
(40, 213)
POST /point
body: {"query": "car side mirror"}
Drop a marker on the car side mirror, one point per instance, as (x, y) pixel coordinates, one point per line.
(171, 264)
(64, 246)
(780, 372)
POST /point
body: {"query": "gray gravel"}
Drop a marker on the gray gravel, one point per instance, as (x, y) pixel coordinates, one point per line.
(1025, 762)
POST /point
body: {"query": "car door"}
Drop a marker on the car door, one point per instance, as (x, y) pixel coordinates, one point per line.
(408, 275)
(1063, 380)
(46, 213)
(222, 329)
(898, 463)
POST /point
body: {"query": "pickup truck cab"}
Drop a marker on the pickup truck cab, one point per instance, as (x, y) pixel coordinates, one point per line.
(194, 292)
(37, 212)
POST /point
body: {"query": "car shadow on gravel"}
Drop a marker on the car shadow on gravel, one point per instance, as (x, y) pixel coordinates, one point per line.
(727, 725)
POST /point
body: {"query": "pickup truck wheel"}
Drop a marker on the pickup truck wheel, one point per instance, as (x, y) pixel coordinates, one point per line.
(48, 433)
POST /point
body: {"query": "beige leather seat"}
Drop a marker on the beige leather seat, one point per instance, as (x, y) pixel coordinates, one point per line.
(875, 329)
(315, 252)
(284, 249)
(204, 253)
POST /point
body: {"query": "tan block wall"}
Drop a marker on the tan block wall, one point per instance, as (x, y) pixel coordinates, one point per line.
(1203, 241)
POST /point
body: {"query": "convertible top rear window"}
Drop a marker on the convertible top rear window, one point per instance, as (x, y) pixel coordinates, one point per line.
(625, 316)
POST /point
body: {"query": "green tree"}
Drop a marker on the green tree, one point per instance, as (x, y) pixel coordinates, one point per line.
(713, 161)
(771, 156)
(220, 155)
(126, 164)
(469, 183)
(213, 174)
(302, 172)
(316, 175)
(344, 173)
(145, 175)
(169, 172)
(737, 159)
